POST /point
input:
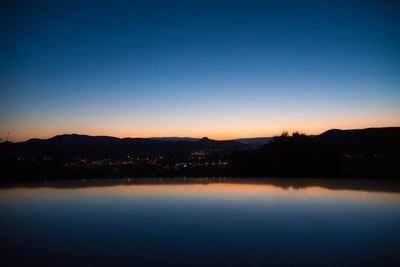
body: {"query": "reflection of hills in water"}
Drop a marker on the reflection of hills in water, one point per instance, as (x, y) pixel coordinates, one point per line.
(285, 183)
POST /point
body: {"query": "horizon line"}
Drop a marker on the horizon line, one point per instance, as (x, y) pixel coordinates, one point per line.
(198, 138)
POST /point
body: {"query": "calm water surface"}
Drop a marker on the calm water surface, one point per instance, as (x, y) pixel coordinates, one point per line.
(215, 224)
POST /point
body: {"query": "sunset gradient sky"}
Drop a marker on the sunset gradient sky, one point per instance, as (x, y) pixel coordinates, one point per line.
(222, 69)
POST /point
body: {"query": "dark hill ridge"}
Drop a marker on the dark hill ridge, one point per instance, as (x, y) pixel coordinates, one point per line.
(74, 145)
(368, 153)
(365, 141)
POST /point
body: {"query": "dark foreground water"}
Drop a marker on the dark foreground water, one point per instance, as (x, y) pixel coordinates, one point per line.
(215, 224)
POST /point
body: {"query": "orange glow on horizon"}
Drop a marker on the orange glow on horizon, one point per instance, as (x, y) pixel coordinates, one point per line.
(20, 136)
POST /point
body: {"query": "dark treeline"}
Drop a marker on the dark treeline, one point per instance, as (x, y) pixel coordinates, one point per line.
(287, 156)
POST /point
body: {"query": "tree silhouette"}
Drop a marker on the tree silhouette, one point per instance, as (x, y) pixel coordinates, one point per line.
(287, 156)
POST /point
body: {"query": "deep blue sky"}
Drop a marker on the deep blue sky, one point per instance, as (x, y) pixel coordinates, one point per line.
(221, 69)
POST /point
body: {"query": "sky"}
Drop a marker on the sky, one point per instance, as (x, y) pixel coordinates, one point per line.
(221, 69)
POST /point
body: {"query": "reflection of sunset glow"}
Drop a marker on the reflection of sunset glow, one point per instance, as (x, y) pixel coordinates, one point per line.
(214, 190)
(232, 221)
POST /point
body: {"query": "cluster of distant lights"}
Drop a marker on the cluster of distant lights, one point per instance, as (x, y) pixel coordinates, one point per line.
(195, 159)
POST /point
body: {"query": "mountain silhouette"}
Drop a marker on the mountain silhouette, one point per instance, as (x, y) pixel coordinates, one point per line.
(74, 145)
(365, 141)
(368, 153)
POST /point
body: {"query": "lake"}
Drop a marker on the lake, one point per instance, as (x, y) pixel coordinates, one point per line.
(201, 222)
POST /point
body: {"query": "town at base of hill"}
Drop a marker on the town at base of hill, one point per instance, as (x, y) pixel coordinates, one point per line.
(366, 153)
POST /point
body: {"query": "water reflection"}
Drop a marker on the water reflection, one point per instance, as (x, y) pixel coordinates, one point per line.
(214, 223)
(285, 183)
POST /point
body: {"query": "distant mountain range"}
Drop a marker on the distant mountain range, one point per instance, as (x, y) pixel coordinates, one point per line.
(175, 139)
(367, 153)
(248, 141)
(379, 140)
(73, 145)
(371, 140)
